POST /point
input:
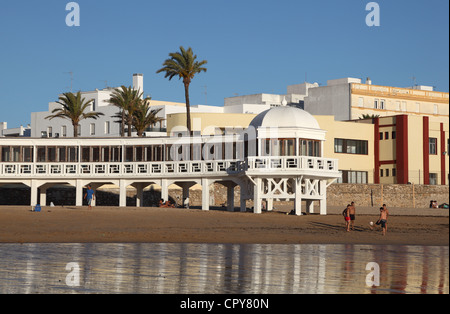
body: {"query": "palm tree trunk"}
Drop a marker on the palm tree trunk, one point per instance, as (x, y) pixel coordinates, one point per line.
(75, 129)
(188, 108)
(122, 124)
(130, 124)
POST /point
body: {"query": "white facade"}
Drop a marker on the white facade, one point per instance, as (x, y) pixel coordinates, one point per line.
(280, 156)
(106, 125)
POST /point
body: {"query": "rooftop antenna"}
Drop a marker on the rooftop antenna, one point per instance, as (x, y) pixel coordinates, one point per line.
(206, 94)
(71, 80)
(414, 80)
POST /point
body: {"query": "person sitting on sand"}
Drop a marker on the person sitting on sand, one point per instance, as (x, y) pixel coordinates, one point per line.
(162, 204)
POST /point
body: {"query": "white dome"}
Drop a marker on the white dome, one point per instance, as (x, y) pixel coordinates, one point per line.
(285, 117)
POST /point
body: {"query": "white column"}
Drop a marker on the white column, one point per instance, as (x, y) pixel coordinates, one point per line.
(257, 197)
(79, 193)
(230, 197)
(34, 193)
(205, 194)
(139, 194)
(164, 190)
(269, 204)
(43, 195)
(123, 193)
(243, 205)
(310, 206)
(323, 201)
(298, 196)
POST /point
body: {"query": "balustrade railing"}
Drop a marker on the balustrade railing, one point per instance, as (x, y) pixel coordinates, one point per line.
(169, 168)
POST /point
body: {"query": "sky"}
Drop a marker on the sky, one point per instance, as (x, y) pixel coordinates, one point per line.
(251, 47)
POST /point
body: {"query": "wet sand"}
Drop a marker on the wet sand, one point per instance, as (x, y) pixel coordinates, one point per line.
(173, 225)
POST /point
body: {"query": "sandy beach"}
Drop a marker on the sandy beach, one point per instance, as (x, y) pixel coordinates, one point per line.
(174, 225)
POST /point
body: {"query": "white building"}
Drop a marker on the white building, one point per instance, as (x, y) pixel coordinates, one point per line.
(14, 132)
(106, 125)
(280, 156)
(257, 103)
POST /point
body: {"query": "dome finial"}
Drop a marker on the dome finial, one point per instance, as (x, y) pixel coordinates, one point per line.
(284, 102)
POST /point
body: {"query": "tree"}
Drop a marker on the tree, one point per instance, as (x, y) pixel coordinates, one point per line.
(126, 99)
(369, 116)
(73, 108)
(144, 116)
(184, 65)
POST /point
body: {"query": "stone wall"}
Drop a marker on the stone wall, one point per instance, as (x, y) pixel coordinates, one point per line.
(365, 195)
(394, 195)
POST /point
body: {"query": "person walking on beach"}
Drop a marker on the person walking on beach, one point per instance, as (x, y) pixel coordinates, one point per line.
(383, 220)
(352, 214)
(346, 214)
(89, 196)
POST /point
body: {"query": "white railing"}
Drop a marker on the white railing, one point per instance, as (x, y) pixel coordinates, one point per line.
(253, 165)
(115, 169)
(291, 164)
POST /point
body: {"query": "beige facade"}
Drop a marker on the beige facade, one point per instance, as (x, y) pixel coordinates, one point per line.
(388, 150)
(209, 123)
(389, 101)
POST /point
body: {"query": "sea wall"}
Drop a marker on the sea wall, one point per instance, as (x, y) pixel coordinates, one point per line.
(365, 195)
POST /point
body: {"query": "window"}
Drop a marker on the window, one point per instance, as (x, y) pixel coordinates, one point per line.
(394, 135)
(435, 109)
(387, 172)
(433, 146)
(381, 136)
(307, 148)
(383, 104)
(398, 106)
(394, 172)
(92, 129)
(50, 131)
(386, 135)
(417, 107)
(64, 131)
(360, 102)
(376, 104)
(433, 178)
(6, 153)
(381, 173)
(28, 154)
(338, 145)
(349, 176)
(348, 146)
(107, 127)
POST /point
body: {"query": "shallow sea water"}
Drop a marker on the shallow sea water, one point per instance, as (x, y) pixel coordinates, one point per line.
(138, 268)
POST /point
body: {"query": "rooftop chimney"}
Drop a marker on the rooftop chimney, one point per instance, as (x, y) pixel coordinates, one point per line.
(368, 81)
(138, 82)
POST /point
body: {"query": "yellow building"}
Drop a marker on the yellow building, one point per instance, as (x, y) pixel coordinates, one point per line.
(209, 123)
(350, 99)
(397, 149)
(367, 99)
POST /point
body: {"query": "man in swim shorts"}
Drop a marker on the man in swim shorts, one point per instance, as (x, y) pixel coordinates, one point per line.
(352, 213)
(383, 220)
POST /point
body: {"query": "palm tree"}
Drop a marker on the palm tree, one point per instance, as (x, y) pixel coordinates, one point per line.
(369, 116)
(144, 117)
(73, 108)
(125, 98)
(184, 65)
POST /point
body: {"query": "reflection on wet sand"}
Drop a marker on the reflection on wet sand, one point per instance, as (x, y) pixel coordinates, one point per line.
(222, 268)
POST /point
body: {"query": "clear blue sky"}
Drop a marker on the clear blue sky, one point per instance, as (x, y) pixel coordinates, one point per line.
(252, 46)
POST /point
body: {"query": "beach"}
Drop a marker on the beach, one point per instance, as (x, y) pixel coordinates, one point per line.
(18, 224)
